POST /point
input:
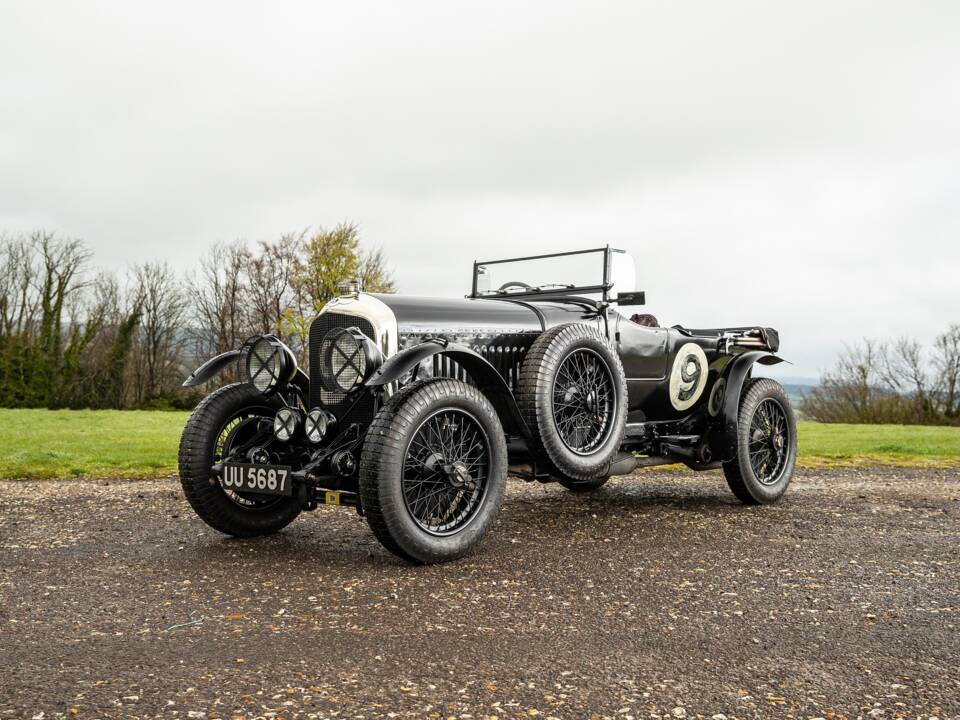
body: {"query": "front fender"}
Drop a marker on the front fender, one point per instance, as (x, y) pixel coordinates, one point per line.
(723, 438)
(488, 380)
(211, 368)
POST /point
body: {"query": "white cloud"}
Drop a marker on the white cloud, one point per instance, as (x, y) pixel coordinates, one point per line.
(787, 164)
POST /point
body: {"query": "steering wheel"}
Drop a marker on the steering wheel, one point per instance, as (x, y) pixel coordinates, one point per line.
(514, 284)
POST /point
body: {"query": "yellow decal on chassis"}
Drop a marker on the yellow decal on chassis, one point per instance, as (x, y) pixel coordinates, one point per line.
(331, 498)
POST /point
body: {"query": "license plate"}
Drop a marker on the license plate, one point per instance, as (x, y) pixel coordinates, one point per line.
(263, 479)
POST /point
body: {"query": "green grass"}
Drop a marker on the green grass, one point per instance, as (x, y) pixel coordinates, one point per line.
(119, 444)
(820, 445)
(89, 443)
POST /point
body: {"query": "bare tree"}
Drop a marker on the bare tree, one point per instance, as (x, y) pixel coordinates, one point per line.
(891, 383)
(69, 339)
(271, 274)
(61, 263)
(220, 292)
(855, 391)
(87, 314)
(946, 363)
(105, 302)
(20, 362)
(111, 381)
(163, 310)
(374, 274)
(902, 371)
(19, 303)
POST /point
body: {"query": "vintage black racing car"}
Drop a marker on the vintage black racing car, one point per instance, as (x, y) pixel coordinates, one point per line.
(415, 410)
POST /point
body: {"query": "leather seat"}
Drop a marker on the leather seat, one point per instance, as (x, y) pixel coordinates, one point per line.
(645, 319)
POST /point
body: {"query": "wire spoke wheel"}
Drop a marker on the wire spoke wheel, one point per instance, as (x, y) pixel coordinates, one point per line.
(240, 430)
(433, 470)
(769, 441)
(226, 426)
(446, 470)
(572, 394)
(584, 401)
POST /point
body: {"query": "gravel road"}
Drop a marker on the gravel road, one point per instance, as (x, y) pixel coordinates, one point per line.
(656, 597)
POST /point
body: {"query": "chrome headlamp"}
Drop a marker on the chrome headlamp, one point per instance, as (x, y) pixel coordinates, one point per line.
(318, 424)
(266, 363)
(285, 423)
(348, 358)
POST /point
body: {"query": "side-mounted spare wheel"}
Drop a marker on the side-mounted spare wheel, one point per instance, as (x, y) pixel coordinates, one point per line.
(433, 470)
(766, 444)
(572, 393)
(227, 419)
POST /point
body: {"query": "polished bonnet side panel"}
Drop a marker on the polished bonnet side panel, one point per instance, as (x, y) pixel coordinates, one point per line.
(440, 316)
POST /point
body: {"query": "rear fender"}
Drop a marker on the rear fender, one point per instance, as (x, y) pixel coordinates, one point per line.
(488, 380)
(723, 436)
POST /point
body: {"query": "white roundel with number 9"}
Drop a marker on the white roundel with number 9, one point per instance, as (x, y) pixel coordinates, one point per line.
(688, 377)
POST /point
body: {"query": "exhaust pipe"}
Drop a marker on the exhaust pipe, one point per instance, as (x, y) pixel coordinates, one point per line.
(678, 450)
(701, 454)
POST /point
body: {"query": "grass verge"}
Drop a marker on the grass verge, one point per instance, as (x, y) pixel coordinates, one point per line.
(120, 444)
(826, 445)
(89, 443)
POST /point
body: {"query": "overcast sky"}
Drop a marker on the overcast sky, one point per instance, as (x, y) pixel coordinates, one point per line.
(786, 164)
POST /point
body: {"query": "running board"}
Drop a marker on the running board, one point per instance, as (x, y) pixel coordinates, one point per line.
(625, 463)
(679, 439)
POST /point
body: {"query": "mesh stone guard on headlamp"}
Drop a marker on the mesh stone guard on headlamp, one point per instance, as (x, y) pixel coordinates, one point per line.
(349, 357)
(265, 363)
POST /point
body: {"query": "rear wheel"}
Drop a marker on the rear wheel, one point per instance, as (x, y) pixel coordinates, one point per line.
(232, 417)
(433, 471)
(766, 444)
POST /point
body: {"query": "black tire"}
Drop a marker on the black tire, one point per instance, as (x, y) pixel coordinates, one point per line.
(583, 486)
(581, 466)
(208, 426)
(764, 465)
(396, 463)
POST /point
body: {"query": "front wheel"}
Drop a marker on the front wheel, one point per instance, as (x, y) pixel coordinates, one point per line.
(230, 418)
(433, 471)
(766, 444)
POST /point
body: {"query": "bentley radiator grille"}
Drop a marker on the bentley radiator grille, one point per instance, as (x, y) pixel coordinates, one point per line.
(336, 402)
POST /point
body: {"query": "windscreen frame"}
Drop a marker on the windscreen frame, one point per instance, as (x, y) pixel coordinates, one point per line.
(603, 287)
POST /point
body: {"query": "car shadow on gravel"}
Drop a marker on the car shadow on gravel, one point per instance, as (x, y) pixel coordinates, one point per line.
(339, 537)
(635, 493)
(309, 541)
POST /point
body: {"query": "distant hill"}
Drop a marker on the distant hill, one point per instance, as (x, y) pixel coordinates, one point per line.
(798, 381)
(796, 386)
(796, 392)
